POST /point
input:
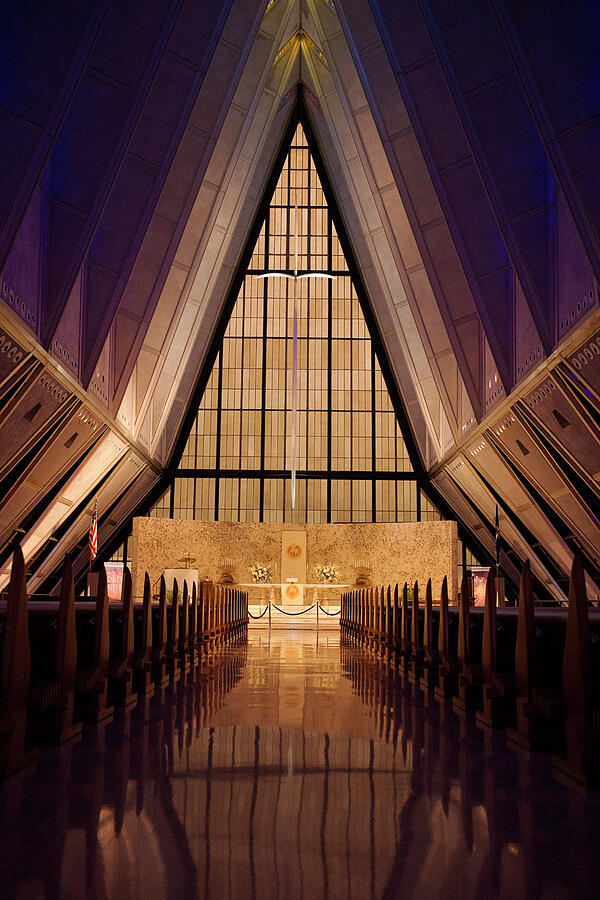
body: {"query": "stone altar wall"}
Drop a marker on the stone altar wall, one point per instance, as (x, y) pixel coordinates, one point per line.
(396, 552)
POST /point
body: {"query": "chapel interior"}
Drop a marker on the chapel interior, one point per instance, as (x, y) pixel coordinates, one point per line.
(299, 449)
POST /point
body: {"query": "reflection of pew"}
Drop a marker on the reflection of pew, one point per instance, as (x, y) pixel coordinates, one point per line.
(142, 657)
(580, 694)
(14, 680)
(53, 644)
(92, 658)
(120, 668)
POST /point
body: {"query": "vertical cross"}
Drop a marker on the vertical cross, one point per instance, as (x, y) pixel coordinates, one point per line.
(295, 278)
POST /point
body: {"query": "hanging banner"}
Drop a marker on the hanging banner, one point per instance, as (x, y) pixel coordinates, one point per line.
(114, 580)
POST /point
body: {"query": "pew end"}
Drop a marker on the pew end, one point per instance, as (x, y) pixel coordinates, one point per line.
(15, 754)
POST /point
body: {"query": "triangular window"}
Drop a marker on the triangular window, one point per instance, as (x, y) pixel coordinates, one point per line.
(352, 460)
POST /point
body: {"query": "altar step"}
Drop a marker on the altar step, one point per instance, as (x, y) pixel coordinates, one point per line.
(294, 618)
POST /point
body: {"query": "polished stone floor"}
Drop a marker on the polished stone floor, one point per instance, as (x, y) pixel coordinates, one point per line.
(294, 768)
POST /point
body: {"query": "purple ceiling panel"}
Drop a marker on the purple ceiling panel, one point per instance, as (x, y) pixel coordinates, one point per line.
(162, 110)
(177, 189)
(147, 267)
(496, 292)
(127, 38)
(583, 151)
(574, 274)
(473, 40)
(44, 36)
(476, 223)
(125, 331)
(561, 40)
(88, 140)
(406, 29)
(437, 114)
(64, 230)
(17, 145)
(512, 146)
(534, 240)
(100, 286)
(123, 214)
(458, 297)
(21, 273)
(195, 26)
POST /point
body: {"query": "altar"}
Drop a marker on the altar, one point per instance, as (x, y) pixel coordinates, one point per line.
(295, 556)
(293, 593)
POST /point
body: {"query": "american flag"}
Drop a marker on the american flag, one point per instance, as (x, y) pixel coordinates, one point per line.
(93, 536)
(497, 541)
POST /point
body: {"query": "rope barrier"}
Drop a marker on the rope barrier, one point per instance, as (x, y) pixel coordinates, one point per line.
(278, 608)
(261, 615)
(328, 613)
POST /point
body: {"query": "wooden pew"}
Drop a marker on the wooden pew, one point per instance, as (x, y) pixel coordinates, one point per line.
(142, 657)
(376, 639)
(416, 644)
(389, 625)
(498, 684)
(120, 668)
(193, 632)
(202, 591)
(431, 657)
(539, 706)
(448, 668)
(93, 659)
(160, 672)
(54, 665)
(469, 657)
(405, 632)
(184, 622)
(15, 672)
(172, 647)
(358, 620)
(381, 624)
(580, 694)
(353, 619)
(396, 644)
(364, 631)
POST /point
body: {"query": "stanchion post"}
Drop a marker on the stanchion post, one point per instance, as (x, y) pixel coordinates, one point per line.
(269, 615)
(317, 613)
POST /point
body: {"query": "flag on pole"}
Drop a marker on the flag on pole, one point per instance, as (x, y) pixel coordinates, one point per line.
(93, 536)
(497, 541)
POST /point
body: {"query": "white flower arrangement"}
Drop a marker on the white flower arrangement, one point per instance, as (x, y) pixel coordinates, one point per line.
(327, 573)
(261, 572)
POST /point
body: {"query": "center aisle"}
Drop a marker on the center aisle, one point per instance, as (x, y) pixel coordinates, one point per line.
(292, 768)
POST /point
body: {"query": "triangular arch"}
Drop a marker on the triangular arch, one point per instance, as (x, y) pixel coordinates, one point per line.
(358, 460)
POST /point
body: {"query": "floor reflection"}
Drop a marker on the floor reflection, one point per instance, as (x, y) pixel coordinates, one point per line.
(294, 768)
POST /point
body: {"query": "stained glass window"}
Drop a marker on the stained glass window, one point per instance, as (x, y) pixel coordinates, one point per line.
(353, 465)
